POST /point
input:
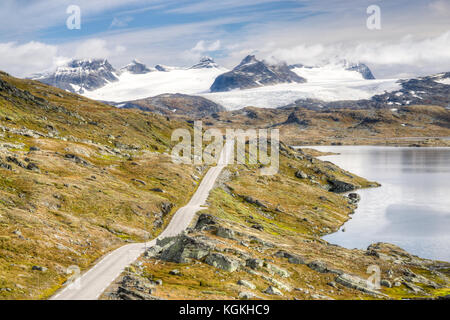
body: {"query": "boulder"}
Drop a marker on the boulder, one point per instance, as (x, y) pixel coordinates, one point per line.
(301, 175)
(223, 262)
(225, 233)
(205, 222)
(273, 291)
(338, 186)
(355, 282)
(182, 248)
(273, 269)
(175, 272)
(247, 284)
(321, 267)
(354, 197)
(386, 283)
(39, 268)
(292, 258)
(254, 263)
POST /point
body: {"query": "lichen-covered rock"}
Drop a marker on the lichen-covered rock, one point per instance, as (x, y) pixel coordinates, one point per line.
(338, 186)
(247, 284)
(321, 267)
(355, 282)
(182, 248)
(292, 258)
(223, 262)
(206, 222)
(273, 269)
(254, 263)
(226, 233)
(273, 291)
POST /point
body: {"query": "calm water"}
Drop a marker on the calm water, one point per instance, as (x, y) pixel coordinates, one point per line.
(411, 209)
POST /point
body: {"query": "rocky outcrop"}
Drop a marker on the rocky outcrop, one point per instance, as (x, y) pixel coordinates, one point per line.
(292, 258)
(175, 104)
(135, 67)
(183, 248)
(357, 283)
(253, 73)
(80, 75)
(338, 186)
(222, 262)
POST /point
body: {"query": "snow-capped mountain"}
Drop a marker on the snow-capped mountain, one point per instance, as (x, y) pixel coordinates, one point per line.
(430, 90)
(135, 67)
(360, 68)
(192, 80)
(253, 73)
(80, 75)
(252, 83)
(205, 63)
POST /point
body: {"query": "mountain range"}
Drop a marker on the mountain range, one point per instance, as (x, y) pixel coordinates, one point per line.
(252, 82)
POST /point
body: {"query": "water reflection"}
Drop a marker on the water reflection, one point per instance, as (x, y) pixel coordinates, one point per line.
(411, 209)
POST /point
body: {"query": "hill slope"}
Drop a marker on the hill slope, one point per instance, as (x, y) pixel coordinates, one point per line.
(77, 179)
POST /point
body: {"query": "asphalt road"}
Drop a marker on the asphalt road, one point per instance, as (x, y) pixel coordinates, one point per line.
(91, 284)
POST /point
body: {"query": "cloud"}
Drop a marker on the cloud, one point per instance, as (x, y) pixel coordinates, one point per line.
(32, 57)
(121, 22)
(408, 54)
(440, 7)
(203, 47)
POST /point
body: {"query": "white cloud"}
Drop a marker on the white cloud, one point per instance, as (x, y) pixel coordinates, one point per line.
(440, 7)
(203, 47)
(32, 57)
(121, 22)
(409, 54)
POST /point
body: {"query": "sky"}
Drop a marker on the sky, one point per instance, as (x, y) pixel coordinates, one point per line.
(413, 37)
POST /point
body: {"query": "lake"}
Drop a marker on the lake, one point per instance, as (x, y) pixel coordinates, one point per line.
(412, 207)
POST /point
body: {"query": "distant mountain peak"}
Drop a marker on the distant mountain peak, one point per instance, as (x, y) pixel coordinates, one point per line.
(362, 68)
(250, 59)
(205, 63)
(253, 73)
(135, 67)
(79, 75)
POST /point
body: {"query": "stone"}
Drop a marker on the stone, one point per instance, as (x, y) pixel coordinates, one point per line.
(247, 295)
(222, 262)
(273, 269)
(182, 248)
(139, 181)
(355, 282)
(175, 272)
(32, 167)
(292, 258)
(321, 267)
(225, 233)
(205, 222)
(354, 197)
(301, 175)
(254, 263)
(386, 283)
(255, 201)
(39, 268)
(247, 284)
(338, 186)
(273, 291)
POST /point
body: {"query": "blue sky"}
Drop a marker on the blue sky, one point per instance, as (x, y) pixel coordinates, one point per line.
(414, 38)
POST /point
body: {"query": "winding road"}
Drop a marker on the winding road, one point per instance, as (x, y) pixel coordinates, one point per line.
(91, 284)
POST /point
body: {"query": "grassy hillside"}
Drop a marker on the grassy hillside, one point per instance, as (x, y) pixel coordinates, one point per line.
(260, 238)
(78, 179)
